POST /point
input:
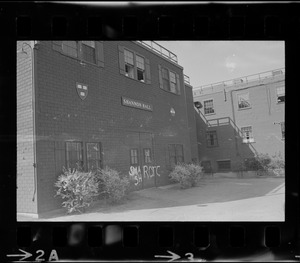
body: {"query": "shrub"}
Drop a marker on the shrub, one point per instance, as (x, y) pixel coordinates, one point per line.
(112, 186)
(78, 188)
(258, 163)
(187, 175)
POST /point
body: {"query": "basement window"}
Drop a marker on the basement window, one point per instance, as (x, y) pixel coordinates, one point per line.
(224, 165)
(74, 155)
(93, 155)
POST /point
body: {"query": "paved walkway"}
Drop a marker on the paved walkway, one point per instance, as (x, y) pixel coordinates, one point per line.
(216, 199)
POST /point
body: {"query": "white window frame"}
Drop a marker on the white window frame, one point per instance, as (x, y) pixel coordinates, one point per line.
(213, 108)
(251, 138)
(248, 101)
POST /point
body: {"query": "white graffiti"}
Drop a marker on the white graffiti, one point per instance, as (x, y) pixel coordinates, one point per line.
(148, 172)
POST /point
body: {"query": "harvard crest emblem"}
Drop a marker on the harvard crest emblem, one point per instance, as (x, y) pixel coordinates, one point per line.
(82, 90)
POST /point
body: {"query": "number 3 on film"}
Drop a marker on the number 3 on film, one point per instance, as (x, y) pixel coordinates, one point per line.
(190, 256)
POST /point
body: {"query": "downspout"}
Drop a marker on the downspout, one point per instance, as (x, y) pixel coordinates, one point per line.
(233, 119)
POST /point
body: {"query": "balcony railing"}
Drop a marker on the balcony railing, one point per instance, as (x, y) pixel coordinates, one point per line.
(160, 50)
(241, 80)
(186, 79)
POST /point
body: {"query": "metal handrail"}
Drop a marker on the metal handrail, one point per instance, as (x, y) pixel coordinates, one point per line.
(245, 79)
(160, 50)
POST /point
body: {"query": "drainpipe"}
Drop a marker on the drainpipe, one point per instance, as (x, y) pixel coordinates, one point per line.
(233, 119)
(32, 50)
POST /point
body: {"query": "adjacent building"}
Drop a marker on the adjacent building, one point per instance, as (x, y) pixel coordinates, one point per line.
(240, 118)
(122, 104)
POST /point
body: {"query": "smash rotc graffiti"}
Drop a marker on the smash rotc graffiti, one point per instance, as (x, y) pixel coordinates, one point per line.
(146, 172)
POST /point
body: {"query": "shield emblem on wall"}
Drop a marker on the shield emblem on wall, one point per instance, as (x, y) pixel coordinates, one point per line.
(82, 90)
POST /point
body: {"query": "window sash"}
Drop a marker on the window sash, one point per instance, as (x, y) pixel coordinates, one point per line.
(88, 53)
(140, 63)
(243, 101)
(134, 156)
(93, 155)
(247, 132)
(147, 155)
(211, 138)
(175, 154)
(74, 154)
(70, 48)
(208, 107)
(128, 57)
(89, 43)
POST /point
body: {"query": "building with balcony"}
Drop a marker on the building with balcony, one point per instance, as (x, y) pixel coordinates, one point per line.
(122, 104)
(237, 119)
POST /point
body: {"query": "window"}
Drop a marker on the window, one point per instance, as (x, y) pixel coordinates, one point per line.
(70, 48)
(168, 80)
(165, 79)
(173, 85)
(93, 155)
(147, 155)
(88, 51)
(224, 165)
(74, 155)
(280, 95)
(247, 134)
(134, 158)
(243, 101)
(175, 153)
(208, 107)
(206, 166)
(282, 130)
(129, 64)
(140, 65)
(211, 139)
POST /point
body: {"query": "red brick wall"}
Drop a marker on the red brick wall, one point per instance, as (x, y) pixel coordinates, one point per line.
(25, 160)
(62, 115)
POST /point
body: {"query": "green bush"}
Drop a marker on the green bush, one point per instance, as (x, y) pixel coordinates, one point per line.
(187, 175)
(258, 163)
(112, 186)
(77, 188)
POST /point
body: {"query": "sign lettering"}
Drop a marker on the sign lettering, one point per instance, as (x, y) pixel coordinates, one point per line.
(136, 104)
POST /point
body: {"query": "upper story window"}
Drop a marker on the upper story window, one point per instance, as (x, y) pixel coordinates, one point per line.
(140, 67)
(280, 94)
(129, 64)
(208, 106)
(87, 51)
(70, 48)
(134, 66)
(243, 101)
(247, 134)
(211, 139)
(169, 80)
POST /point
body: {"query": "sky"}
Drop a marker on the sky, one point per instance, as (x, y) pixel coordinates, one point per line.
(207, 62)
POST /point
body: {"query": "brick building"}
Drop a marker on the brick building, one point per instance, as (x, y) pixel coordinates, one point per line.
(239, 118)
(122, 104)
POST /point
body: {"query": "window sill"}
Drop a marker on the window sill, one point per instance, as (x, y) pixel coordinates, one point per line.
(170, 92)
(208, 114)
(144, 82)
(248, 108)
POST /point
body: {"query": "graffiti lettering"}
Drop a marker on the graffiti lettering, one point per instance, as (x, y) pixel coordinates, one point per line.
(148, 172)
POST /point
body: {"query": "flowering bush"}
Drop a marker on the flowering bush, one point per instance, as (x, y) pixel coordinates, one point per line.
(112, 186)
(187, 175)
(77, 188)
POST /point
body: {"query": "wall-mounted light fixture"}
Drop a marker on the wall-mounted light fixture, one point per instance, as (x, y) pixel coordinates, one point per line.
(198, 104)
(172, 111)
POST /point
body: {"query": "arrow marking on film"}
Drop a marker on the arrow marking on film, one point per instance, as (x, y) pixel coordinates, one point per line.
(24, 256)
(172, 257)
